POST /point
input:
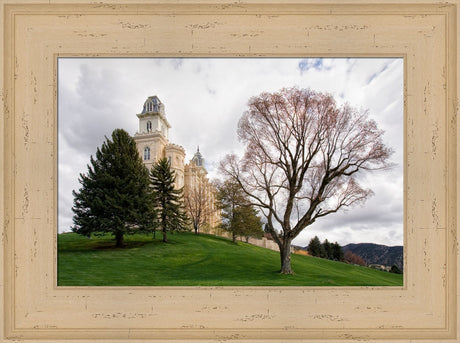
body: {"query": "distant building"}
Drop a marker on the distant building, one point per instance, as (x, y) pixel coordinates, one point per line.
(153, 144)
(380, 267)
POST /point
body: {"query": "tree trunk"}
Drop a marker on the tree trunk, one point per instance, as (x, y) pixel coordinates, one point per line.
(233, 237)
(196, 229)
(165, 239)
(119, 238)
(163, 226)
(285, 254)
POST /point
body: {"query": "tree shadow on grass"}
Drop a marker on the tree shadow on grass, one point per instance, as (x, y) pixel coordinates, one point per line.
(112, 246)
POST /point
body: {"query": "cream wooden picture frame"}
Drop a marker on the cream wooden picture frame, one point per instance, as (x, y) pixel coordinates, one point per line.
(35, 33)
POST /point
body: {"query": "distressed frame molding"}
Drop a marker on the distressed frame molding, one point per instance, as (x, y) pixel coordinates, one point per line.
(35, 34)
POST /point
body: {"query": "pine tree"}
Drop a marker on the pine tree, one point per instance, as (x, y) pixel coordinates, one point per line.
(168, 200)
(114, 195)
(328, 250)
(314, 247)
(337, 252)
(322, 251)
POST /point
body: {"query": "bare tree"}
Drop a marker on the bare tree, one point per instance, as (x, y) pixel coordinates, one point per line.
(199, 203)
(353, 258)
(303, 153)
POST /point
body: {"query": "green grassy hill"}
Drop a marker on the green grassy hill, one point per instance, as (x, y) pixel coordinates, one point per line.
(204, 260)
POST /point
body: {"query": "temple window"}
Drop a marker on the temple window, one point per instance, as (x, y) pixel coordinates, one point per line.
(146, 153)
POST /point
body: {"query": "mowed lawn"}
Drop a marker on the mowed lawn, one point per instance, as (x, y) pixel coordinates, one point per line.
(203, 260)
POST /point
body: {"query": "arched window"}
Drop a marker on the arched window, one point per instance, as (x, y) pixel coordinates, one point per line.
(146, 153)
(149, 126)
(155, 104)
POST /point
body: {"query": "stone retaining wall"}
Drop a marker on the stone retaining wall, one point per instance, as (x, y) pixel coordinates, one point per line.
(262, 242)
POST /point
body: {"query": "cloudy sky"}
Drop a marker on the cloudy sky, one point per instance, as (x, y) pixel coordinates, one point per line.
(204, 98)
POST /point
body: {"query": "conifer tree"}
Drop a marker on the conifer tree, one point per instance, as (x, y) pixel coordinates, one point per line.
(322, 251)
(328, 252)
(337, 252)
(168, 200)
(114, 195)
(314, 247)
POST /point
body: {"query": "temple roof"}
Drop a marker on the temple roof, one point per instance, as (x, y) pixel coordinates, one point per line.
(198, 158)
(153, 105)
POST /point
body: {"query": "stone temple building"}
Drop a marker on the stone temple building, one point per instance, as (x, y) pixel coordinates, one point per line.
(153, 144)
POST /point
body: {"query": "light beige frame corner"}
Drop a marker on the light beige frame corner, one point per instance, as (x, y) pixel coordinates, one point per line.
(35, 34)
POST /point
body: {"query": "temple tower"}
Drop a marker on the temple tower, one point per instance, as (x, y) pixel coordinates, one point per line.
(152, 138)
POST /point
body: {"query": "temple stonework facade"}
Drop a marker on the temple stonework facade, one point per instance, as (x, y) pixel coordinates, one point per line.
(153, 144)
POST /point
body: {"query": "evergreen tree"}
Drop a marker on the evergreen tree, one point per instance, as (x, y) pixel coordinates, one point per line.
(322, 251)
(328, 253)
(168, 200)
(314, 247)
(114, 195)
(337, 252)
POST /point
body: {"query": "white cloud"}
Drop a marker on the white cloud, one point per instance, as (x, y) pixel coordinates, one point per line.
(204, 98)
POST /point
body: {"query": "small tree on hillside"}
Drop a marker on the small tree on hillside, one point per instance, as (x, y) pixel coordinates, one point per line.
(353, 258)
(167, 199)
(114, 195)
(337, 252)
(328, 252)
(314, 247)
(198, 204)
(248, 222)
(235, 208)
(303, 153)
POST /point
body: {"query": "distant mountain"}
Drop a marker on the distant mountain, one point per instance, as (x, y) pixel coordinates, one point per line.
(378, 254)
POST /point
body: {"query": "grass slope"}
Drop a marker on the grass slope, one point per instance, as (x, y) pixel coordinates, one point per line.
(204, 260)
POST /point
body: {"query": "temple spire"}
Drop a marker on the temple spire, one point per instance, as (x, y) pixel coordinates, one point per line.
(198, 158)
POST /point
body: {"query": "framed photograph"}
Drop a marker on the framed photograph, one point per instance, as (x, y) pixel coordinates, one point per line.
(37, 36)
